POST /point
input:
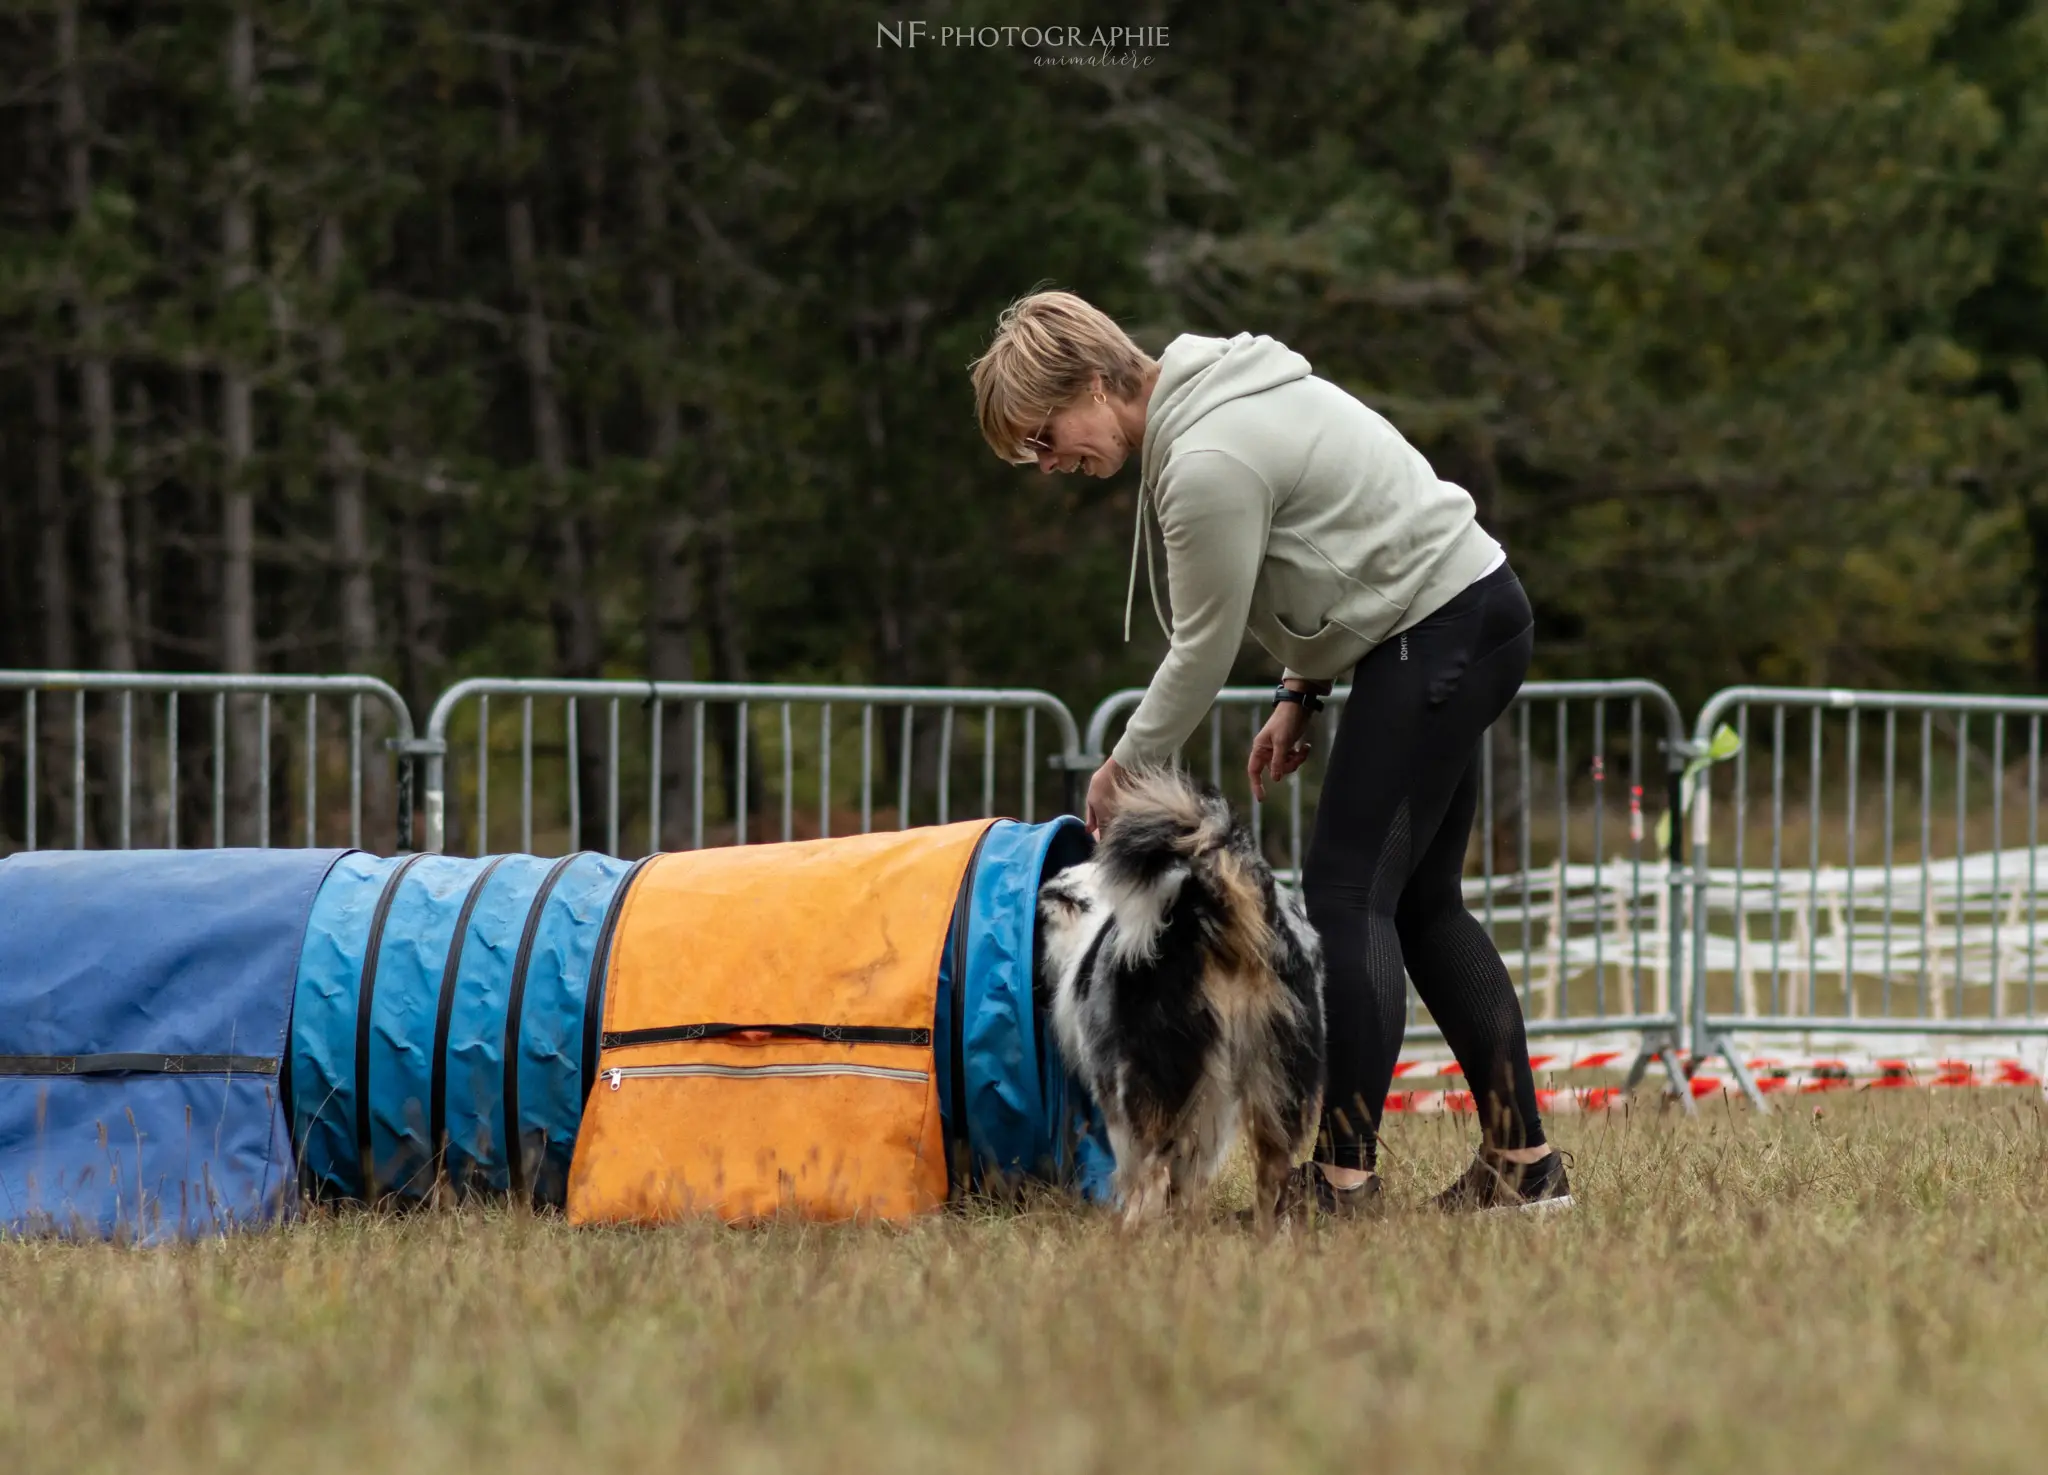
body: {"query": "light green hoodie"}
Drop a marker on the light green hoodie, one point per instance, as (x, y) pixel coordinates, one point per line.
(1287, 507)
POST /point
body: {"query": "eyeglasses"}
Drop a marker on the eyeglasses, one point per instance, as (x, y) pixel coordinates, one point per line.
(1036, 443)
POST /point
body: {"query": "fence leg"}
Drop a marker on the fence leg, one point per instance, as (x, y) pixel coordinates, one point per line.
(1662, 1052)
(1674, 1073)
(1725, 1048)
(1749, 998)
(414, 756)
(1554, 958)
(1663, 958)
(407, 768)
(1641, 1066)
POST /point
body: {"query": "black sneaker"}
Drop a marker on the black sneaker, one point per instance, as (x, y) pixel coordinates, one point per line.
(1494, 1182)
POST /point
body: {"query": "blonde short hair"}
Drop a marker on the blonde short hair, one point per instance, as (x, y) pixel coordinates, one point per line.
(1048, 349)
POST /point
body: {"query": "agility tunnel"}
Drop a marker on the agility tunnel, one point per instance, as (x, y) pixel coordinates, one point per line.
(395, 1028)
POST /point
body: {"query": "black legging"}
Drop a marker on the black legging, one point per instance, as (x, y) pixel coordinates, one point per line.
(1383, 873)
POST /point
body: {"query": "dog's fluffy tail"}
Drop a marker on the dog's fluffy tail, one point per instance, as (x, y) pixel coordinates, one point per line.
(1167, 830)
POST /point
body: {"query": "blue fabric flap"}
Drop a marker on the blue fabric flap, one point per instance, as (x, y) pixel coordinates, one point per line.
(1026, 1116)
(164, 953)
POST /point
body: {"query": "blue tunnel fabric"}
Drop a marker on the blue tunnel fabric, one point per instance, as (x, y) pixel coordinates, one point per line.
(512, 990)
(1026, 1116)
(322, 1102)
(184, 957)
(551, 1086)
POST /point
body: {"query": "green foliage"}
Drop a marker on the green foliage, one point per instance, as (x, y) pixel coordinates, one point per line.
(1731, 315)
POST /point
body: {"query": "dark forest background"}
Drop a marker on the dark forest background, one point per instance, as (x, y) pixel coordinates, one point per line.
(631, 338)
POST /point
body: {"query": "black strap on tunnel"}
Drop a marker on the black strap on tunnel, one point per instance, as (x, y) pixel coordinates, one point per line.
(138, 1063)
(366, 995)
(831, 1034)
(284, 1074)
(962, 1146)
(515, 1005)
(600, 972)
(444, 1018)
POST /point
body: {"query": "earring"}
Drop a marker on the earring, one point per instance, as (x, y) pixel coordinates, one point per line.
(1099, 399)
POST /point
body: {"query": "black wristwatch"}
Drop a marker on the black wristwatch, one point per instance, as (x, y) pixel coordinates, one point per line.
(1310, 702)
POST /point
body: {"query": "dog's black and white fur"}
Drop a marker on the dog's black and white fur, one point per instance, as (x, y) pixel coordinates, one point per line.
(1187, 995)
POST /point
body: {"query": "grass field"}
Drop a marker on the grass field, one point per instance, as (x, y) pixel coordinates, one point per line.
(1861, 1289)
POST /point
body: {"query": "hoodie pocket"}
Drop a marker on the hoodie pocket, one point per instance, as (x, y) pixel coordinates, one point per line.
(1347, 599)
(1292, 631)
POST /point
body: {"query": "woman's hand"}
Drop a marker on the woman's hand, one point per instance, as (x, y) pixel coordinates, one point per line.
(1105, 790)
(1281, 747)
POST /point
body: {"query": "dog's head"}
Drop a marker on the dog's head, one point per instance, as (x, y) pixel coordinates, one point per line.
(1070, 912)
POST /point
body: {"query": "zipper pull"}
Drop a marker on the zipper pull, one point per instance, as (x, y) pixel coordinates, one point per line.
(616, 1075)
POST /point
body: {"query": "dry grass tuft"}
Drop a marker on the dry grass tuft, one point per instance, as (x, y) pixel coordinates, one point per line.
(1866, 1290)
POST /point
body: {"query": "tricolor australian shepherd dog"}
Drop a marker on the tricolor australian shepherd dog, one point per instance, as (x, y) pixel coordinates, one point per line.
(1186, 993)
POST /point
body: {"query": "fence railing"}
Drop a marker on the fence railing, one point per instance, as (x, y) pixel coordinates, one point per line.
(1863, 863)
(1868, 863)
(1576, 772)
(121, 759)
(723, 763)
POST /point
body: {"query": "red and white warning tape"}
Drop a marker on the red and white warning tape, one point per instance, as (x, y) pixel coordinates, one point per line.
(1779, 1075)
(1774, 1075)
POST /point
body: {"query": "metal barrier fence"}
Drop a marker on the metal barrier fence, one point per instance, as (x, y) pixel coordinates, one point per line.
(1594, 933)
(727, 763)
(1881, 895)
(1863, 863)
(119, 758)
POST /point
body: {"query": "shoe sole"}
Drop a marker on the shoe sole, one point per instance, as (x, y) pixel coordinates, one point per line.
(1539, 1206)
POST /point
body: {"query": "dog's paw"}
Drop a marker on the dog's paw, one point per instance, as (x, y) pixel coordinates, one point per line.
(1147, 1194)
